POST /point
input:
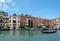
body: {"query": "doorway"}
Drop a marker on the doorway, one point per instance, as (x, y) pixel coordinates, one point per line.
(14, 28)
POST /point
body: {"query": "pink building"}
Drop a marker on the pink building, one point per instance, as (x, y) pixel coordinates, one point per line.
(36, 21)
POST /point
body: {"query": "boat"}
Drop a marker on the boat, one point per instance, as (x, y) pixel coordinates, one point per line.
(31, 29)
(48, 31)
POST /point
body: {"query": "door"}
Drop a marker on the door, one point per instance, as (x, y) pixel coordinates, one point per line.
(14, 28)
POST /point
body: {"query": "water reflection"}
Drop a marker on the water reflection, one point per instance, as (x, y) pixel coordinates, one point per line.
(21, 33)
(24, 35)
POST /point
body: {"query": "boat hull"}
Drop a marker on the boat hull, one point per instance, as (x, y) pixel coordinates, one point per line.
(47, 31)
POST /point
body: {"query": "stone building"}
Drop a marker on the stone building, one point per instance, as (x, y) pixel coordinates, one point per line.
(57, 23)
(5, 22)
(14, 21)
(3, 19)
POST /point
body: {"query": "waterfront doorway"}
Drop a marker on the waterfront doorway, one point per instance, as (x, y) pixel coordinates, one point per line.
(14, 28)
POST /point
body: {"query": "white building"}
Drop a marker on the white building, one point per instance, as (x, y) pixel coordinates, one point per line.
(14, 21)
(58, 23)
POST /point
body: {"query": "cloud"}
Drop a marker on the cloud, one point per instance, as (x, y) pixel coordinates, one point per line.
(11, 10)
(0, 4)
(3, 7)
(15, 9)
(2, 1)
(8, 0)
(13, 3)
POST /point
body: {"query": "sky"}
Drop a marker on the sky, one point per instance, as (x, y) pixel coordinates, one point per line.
(39, 8)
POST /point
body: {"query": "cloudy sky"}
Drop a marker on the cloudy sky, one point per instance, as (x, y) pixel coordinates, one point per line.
(39, 8)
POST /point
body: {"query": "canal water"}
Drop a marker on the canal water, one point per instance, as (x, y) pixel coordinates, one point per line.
(28, 36)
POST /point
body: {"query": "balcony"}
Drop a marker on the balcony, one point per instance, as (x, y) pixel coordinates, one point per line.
(5, 17)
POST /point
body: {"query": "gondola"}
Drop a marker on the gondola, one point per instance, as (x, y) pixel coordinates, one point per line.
(48, 31)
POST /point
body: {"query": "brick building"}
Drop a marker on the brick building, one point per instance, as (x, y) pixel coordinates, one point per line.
(36, 20)
(24, 19)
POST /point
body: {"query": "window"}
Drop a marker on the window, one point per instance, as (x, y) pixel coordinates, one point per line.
(14, 24)
(27, 21)
(6, 22)
(18, 21)
(0, 21)
(10, 21)
(10, 17)
(43, 21)
(14, 17)
(14, 21)
(58, 18)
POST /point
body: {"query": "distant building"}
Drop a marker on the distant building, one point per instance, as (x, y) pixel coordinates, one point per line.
(3, 19)
(5, 22)
(53, 23)
(3, 13)
(36, 20)
(14, 21)
(24, 19)
(57, 23)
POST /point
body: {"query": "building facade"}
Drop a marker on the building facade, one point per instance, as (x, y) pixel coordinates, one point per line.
(25, 18)
(2, 13)
(14, 21)
(57, 23)
(36, 20)
(3, 20)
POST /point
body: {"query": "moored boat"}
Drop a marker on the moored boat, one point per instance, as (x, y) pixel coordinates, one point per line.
(49, 31)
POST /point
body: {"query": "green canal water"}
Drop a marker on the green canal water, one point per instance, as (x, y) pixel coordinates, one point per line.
(28, 36)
